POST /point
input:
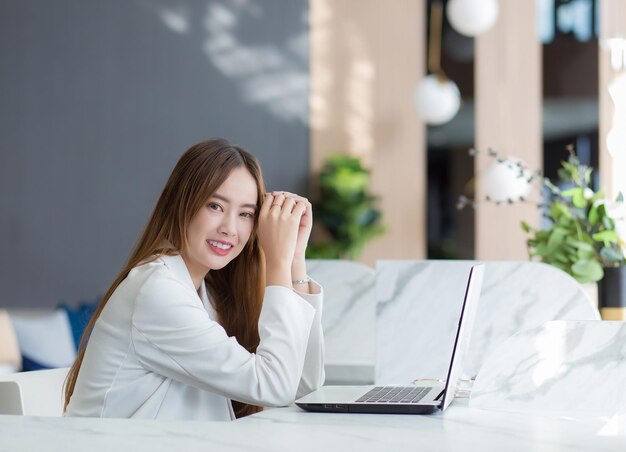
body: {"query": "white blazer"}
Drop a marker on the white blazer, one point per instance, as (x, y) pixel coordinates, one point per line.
(158, 352)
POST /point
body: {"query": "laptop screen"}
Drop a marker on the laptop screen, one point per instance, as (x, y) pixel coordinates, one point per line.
(463, 332)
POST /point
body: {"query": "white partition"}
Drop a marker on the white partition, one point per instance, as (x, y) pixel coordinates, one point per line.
(348, 319)
(560, 367)
(419, 304)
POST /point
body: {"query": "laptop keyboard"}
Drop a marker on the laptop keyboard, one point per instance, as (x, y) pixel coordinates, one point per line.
(394, 394)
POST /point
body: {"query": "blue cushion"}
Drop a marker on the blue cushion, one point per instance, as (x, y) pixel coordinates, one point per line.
(31, 364)
(79, 318)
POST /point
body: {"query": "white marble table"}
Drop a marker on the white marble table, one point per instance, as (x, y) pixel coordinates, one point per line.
(290, 429)
(461, 427)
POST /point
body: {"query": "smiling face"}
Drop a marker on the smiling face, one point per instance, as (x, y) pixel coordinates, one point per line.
(219, 231)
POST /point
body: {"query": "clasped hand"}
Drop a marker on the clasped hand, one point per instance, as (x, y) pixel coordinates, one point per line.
(285, 222)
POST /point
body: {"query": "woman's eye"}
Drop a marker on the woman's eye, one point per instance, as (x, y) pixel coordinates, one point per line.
(247, 215)
(214, 206)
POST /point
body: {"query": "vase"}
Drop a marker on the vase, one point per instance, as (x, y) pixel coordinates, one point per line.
(612, 293)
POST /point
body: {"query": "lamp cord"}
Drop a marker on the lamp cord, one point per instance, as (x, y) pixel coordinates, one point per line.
(434, 40)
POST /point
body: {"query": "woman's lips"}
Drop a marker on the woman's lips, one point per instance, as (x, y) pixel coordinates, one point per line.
(219, 248)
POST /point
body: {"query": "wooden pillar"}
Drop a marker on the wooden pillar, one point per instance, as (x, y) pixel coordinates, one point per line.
(508, 96)
(366, 59)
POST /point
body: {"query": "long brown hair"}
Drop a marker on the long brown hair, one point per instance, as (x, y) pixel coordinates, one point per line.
(237, 289)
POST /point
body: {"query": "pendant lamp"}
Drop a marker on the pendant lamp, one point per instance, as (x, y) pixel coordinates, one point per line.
(472, 17)
(437, 98)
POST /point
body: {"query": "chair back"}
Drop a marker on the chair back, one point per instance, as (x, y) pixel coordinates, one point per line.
(11, 398)
(37, 393)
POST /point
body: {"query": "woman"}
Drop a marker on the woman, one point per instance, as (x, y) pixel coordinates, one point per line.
(213, 306)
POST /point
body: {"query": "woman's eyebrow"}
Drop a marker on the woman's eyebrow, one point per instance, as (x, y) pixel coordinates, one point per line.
(226, 200)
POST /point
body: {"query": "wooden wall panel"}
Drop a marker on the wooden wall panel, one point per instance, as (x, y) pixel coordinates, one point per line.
(366, 60)
(508, 118)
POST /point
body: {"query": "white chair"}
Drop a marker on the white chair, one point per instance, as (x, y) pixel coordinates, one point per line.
(37, 393)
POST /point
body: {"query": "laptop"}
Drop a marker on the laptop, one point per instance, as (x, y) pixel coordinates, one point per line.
(423, 397)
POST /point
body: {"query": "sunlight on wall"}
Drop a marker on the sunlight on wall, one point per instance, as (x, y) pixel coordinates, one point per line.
(175, 20)
(343, 77)
(359, 98)
(321, 16)
(272, 76)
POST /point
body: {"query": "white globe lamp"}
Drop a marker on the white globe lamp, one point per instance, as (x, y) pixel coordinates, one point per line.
(507, 181)
(472, 17)
(437, 99)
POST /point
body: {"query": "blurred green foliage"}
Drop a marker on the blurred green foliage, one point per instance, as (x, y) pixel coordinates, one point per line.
(345, 209)
(582, 237)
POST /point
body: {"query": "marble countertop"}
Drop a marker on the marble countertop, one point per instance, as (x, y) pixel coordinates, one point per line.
(460, 428)
(289, 429)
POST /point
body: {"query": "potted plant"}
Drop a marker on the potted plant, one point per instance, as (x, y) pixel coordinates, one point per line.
(344, 209)
(582, 237)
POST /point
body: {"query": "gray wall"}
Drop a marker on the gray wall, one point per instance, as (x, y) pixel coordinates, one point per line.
(98, 99)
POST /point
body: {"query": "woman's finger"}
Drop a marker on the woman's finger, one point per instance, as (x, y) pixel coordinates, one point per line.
(300, 209)
(288, 206)
(266, 204)
(277, 203)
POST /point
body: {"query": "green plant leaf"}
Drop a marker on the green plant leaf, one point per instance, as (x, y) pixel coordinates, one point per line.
(607, 237)
(579, 199)
(559, 209)
(611, 255)
(526, 227)
(579, 244)
(563, 175)
(553, 188)
(571, 192)
(557, 237)
(572, 172)
(561, 257)
(577, 194)
(608, 223)
(582, 255)
(541, 250)
(587, 271)
(593, 214)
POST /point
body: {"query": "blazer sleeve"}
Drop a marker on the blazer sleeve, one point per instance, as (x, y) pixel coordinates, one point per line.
(173, 336)
(313, 374)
